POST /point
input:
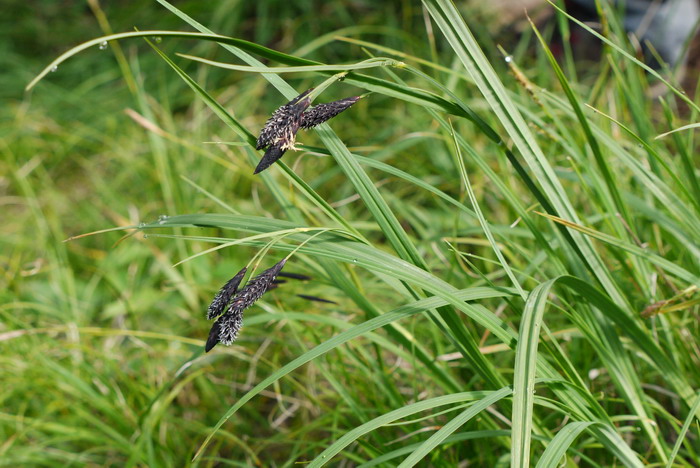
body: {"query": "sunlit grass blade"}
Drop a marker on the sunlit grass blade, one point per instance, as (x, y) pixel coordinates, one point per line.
(558, 446)
(395, 415)
(454, 424)
(369, 63)
(524, 378)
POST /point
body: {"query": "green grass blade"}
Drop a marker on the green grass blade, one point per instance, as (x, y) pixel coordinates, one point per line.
(392, 416)
(558, 447)
(694, 414)
(524, 378)
(454, 424)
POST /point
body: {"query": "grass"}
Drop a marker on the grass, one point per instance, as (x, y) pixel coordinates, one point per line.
(511, 245)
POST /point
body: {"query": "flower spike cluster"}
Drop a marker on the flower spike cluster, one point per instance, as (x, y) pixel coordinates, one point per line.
(229, 323)
(279, 133)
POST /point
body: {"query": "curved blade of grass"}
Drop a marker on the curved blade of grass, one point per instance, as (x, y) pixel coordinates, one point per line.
(453, 438)
(694, 413)
(369, 63)
(679, 129)
(447, 430)
(524, 378)
(114, 37)
(557, 448)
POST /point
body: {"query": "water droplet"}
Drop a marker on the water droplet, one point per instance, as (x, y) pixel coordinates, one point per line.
(509, 58)
(145, 236)
(157, 39)
(162, 219)
(103, 45)
(354, 260)
(54, 68)
(142, 225)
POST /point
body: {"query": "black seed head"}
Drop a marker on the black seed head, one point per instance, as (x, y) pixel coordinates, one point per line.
(213, 337)
(272, 154)
(255, 288)
(322, 112)
(224, 330)
(286, 119)
(223, 297)
(227, 326)
(230, 325)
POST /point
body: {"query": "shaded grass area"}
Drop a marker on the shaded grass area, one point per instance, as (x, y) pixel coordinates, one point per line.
(454, 293)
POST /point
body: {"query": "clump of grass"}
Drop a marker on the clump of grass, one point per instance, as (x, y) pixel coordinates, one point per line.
(483, 240)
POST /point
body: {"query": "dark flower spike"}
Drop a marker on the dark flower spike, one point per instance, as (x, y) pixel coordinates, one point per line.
(255, 288)
(322, 112)
(272, 154)
(279, 133)
(213, 336)
(227, 326)
(223, 297)
(225, 330)
(230, 325)
(276, 125)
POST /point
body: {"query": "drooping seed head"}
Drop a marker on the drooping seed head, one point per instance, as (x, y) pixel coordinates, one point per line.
(322, 112)
(227, 326)
(223, 297)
